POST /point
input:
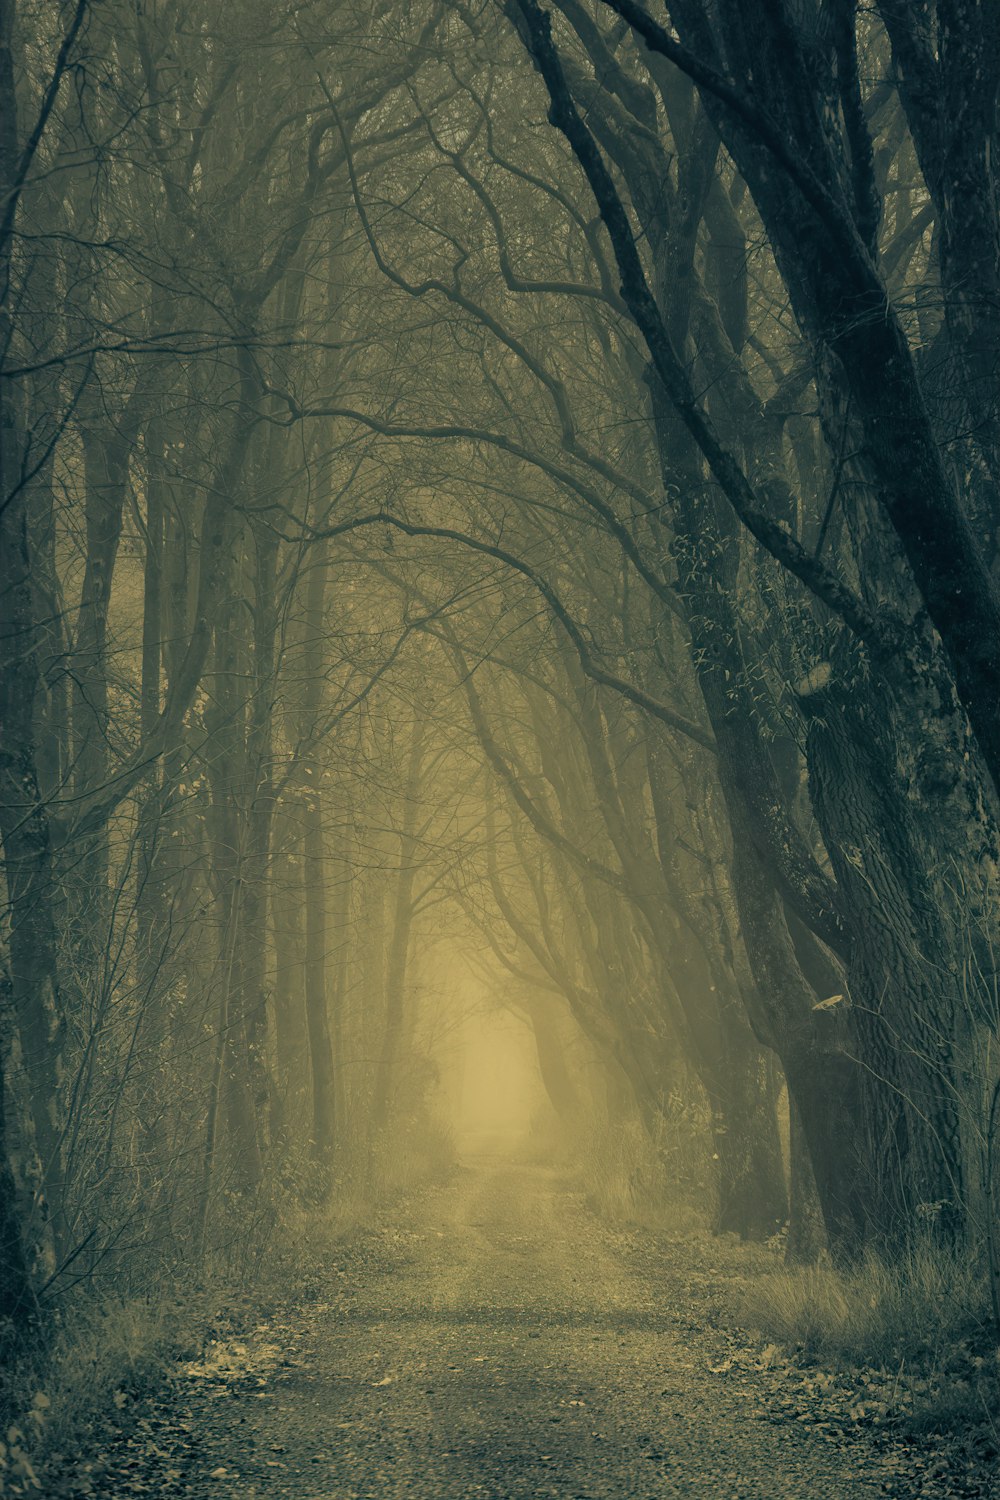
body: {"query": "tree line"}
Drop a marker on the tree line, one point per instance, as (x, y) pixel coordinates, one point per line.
(524, 474)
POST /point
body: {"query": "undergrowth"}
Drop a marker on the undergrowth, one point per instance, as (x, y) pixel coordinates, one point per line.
(103, 1351)
(108, 1347)
(634, 1178)
(925, 1321)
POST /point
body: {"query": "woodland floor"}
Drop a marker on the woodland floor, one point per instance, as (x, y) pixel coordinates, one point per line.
(499, 1341)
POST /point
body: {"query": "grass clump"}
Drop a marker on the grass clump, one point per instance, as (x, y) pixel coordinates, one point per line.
(924, 1321)
(109, 1349)
(915, 1309)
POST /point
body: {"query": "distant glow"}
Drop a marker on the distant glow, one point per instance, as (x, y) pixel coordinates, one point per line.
(501, 1088)
(490, 1077)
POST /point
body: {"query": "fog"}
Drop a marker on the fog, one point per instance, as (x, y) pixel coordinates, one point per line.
(499, 675)
(498, 1092)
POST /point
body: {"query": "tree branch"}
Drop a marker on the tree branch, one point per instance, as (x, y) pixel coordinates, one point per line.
(779, 542)
(641, 699)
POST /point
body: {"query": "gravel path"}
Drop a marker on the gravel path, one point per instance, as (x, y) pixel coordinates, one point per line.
(500, 1342)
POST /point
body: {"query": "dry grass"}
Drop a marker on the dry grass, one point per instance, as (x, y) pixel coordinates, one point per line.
(631, 1179)
(927, 1319)
(916, 1310)
(104, 1353)
(108, 1349)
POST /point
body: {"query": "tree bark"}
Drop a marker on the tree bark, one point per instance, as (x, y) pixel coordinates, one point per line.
(32, 896)
(287, 890)
(903, 972)
(550, 1049)
(317, 1008)
(399, 942)
(806, 1237)
(752, 1199)
(19, 1311)
(321, 1059)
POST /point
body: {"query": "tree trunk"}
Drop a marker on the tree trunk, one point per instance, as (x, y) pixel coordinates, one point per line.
(19, 1312)
(229, 823)
(259, 804)
(399, 943)
(551, 1049)
(836, 290)
(317, 1010)
(321, 1059)
(903, 972)
(823, 1078)
(805, 1221)
(338, 971)
(752, 1199)
(24, 825)
(287, 890)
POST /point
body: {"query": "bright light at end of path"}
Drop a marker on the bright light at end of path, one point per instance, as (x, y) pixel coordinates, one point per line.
(495, 1087)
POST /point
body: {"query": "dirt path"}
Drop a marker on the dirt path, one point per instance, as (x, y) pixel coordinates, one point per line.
(503, 1344)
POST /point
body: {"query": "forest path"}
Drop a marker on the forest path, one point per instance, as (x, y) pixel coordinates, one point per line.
(500, 1343)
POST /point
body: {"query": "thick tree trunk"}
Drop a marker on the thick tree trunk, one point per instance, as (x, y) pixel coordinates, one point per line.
(904, 974)
(24, 826)
(806, 1237)
(949, 97)
(823, 1078)
(752, 1198)
(19, 1312)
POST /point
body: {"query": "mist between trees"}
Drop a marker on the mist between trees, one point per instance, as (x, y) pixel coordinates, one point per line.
(516, 484)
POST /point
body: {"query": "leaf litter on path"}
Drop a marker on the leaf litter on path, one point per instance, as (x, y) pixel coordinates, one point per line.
(628, 1383)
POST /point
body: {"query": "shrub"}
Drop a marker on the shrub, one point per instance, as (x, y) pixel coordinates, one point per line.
(927, 1318)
